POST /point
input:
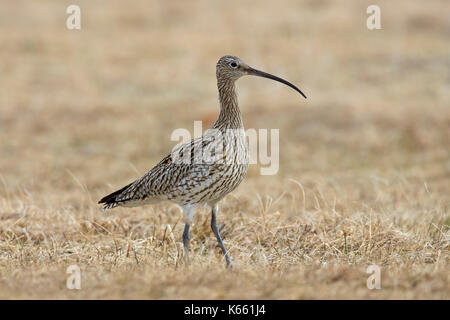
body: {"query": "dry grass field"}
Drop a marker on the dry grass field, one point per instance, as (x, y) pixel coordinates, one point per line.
(364, 168)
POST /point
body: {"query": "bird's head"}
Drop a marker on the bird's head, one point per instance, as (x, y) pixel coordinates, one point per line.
(230, 68)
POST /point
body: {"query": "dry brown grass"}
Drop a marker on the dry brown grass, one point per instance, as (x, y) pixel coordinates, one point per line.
(364, 163)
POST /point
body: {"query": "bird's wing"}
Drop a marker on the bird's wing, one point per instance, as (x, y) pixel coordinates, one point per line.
(187, 166)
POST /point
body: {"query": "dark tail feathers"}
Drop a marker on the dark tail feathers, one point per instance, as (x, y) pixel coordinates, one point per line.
(110, 199)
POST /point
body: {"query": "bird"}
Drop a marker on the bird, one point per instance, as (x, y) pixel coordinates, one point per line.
(202, 171)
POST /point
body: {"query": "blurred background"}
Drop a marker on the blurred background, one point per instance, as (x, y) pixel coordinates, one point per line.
(83, 112)
(95, 100)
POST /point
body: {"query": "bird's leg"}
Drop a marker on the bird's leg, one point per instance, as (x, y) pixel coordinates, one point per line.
(215, 229)
(186, 241)
(189, 211)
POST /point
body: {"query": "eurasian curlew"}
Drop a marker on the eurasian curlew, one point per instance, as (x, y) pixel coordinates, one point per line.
(206, 169)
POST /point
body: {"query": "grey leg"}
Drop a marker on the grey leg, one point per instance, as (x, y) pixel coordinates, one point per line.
(189, 211)
(215, 229)
(186, 243)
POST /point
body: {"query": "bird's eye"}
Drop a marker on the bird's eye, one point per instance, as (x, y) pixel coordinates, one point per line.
(233, 65)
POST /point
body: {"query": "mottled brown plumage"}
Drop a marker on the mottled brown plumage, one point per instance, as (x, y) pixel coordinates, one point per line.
(206, 169)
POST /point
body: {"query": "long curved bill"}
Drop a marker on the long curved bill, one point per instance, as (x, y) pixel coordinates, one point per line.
(258, 73)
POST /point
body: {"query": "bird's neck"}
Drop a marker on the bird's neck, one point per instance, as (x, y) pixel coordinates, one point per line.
(230, 115)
